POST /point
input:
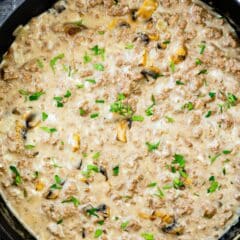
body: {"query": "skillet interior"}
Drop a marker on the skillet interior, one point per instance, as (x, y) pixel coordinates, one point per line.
(10, 228)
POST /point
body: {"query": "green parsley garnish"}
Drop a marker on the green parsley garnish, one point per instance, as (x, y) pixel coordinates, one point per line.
(124, 225)
(29, 147)
(149, 110)
(17, 177)
(203, 71)
(73, 200)
(44, 116)
(98, 51)
(213, 186)
(212, 94)
(94, 115)
(93, 168)
(68, 94)
(99, 101)
(202, 48)
(92, 212)
(209, 113)
(58, 183)
(214, 158)
(137, 118)
(179, 159)
(159, 193)
(172, 66)
(153, 184)
(231, 100)
(177, 183)
(98, 67)
(80, 85)
(96, 155)
(116, 171)
(198, 61)
(178, 82)
(93, 81)
(148, 236)
(59, 101)
(98, 233)
(40, 63)
(82, 112)
(152, 146)
(189, 106)
(35, 96)
(169, 119)
(226, 152)
(60, 221)
(54, 60)
(86, 58)
(49, 130)
(121, 108)
(129, 46)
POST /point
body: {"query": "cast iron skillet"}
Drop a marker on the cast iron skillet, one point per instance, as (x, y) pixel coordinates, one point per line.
(10, 228)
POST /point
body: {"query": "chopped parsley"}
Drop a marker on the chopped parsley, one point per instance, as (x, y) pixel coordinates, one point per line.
(152, 184)
(99, 101)
(98, 233)
(172, 66)
(58, 183)
(93, 81)
(214, 185)
(177, 183)
(68, 94)
(189, 106)
(44, 116)
(152, 146)
(136, 118)
(93, 168)
(116, 171)
(17, 177)
(98, 67)
(231, 100)
(121, 108)
(214, 158)
(59, 101)
(129, 46)
(148, 236)
(96, 155)
(49, 130)
(82, 112)
(198, 61)
(149, 110)
(80, 85)
(94, 115)
(212, 94)
(180, 160)
(124, 225)
(29, 147)
(86, 58)
(209, 113)
(167, 42)
(60, 221)
(54, 60)
(73, 200)
(40, 63)
(35, 96)
(159, 193)
(92, 212)
(226, 152)
(97, 51)
(178, 82)
(169, 119)
(203, 71)
(202, 48)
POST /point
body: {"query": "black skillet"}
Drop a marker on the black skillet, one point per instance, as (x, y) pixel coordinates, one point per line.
(10, 228)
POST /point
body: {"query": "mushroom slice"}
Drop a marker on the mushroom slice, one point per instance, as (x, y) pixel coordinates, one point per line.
(122, 131)
(73, 28)
(147, 9)
(76, 142)
(173, 228)
(180, 55)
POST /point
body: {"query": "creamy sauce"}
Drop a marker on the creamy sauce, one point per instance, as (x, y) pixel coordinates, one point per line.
(120, 120)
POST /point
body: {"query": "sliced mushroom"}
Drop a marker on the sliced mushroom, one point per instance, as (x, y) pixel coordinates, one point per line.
(173, 228)
(122, 127)
(147, 9)
(74, 28)
(52, 194)
(180, 55)
(76, 142)
(103, 171)
(152, 72)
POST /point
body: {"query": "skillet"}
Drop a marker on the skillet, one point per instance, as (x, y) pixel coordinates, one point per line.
(10, 227)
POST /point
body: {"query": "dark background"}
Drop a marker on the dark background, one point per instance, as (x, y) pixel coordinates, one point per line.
(6, 6)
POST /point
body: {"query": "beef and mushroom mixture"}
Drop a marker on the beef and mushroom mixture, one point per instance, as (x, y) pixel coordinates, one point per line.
(121, 120)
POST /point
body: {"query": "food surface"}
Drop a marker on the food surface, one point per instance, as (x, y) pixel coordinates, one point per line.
(121, 120)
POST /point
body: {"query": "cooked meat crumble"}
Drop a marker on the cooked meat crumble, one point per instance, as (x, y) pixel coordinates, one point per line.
(120, 120)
